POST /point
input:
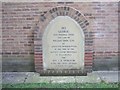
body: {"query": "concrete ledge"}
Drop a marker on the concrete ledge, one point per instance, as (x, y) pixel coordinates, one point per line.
(90, 78)
(36, 78)
(108, 76)
(13, 77)
(32, 77)
(64, 79)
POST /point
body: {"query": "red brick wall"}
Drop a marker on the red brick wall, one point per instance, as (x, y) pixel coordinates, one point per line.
(0, 37)
(18, 25)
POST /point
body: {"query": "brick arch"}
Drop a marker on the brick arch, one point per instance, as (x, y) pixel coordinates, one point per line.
(44, 20)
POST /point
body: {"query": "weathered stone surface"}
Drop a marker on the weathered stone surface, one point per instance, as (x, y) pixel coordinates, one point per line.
(63, 79)
(0, 80)
(31, 77)
(36, 78)
(90, 78)
(13, 77)
(108, 77)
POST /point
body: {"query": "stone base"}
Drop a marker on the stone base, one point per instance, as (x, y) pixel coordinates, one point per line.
(63, 73)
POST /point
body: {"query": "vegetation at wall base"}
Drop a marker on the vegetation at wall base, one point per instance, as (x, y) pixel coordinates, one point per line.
(62, 85)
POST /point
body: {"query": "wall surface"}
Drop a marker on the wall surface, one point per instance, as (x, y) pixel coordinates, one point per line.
(18, 25)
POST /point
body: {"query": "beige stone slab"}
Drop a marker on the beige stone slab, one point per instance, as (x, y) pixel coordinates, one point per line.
(13, 77)
(63, 79)
(36, 78)
(63, 44)
(90, 78)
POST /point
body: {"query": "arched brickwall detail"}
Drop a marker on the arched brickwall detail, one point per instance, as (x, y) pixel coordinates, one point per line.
(43, 21)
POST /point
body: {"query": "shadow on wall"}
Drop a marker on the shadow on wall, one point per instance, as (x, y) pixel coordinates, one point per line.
(103, 64)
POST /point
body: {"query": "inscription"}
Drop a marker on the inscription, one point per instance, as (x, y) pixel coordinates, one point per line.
(63, 44)
(63, 50)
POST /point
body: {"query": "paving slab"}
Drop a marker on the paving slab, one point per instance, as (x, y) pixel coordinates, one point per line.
(32, 77)
(63, 79)
(0, 80)
(36, 78)
(0, 77)
(13, 77)
(108, 76)
(90, 78)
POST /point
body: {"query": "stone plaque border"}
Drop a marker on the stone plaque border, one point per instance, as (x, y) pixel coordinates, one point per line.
(43, 21)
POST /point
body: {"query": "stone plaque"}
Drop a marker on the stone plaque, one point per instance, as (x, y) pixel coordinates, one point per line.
(63, 44)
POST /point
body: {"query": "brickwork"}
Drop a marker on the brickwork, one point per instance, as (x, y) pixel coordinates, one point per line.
(19, 21)
(0, 38)
(50, 15)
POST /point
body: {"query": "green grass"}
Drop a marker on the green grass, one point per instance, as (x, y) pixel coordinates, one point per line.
(62, 85)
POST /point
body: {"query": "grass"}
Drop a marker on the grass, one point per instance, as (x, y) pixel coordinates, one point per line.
(62, 85)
